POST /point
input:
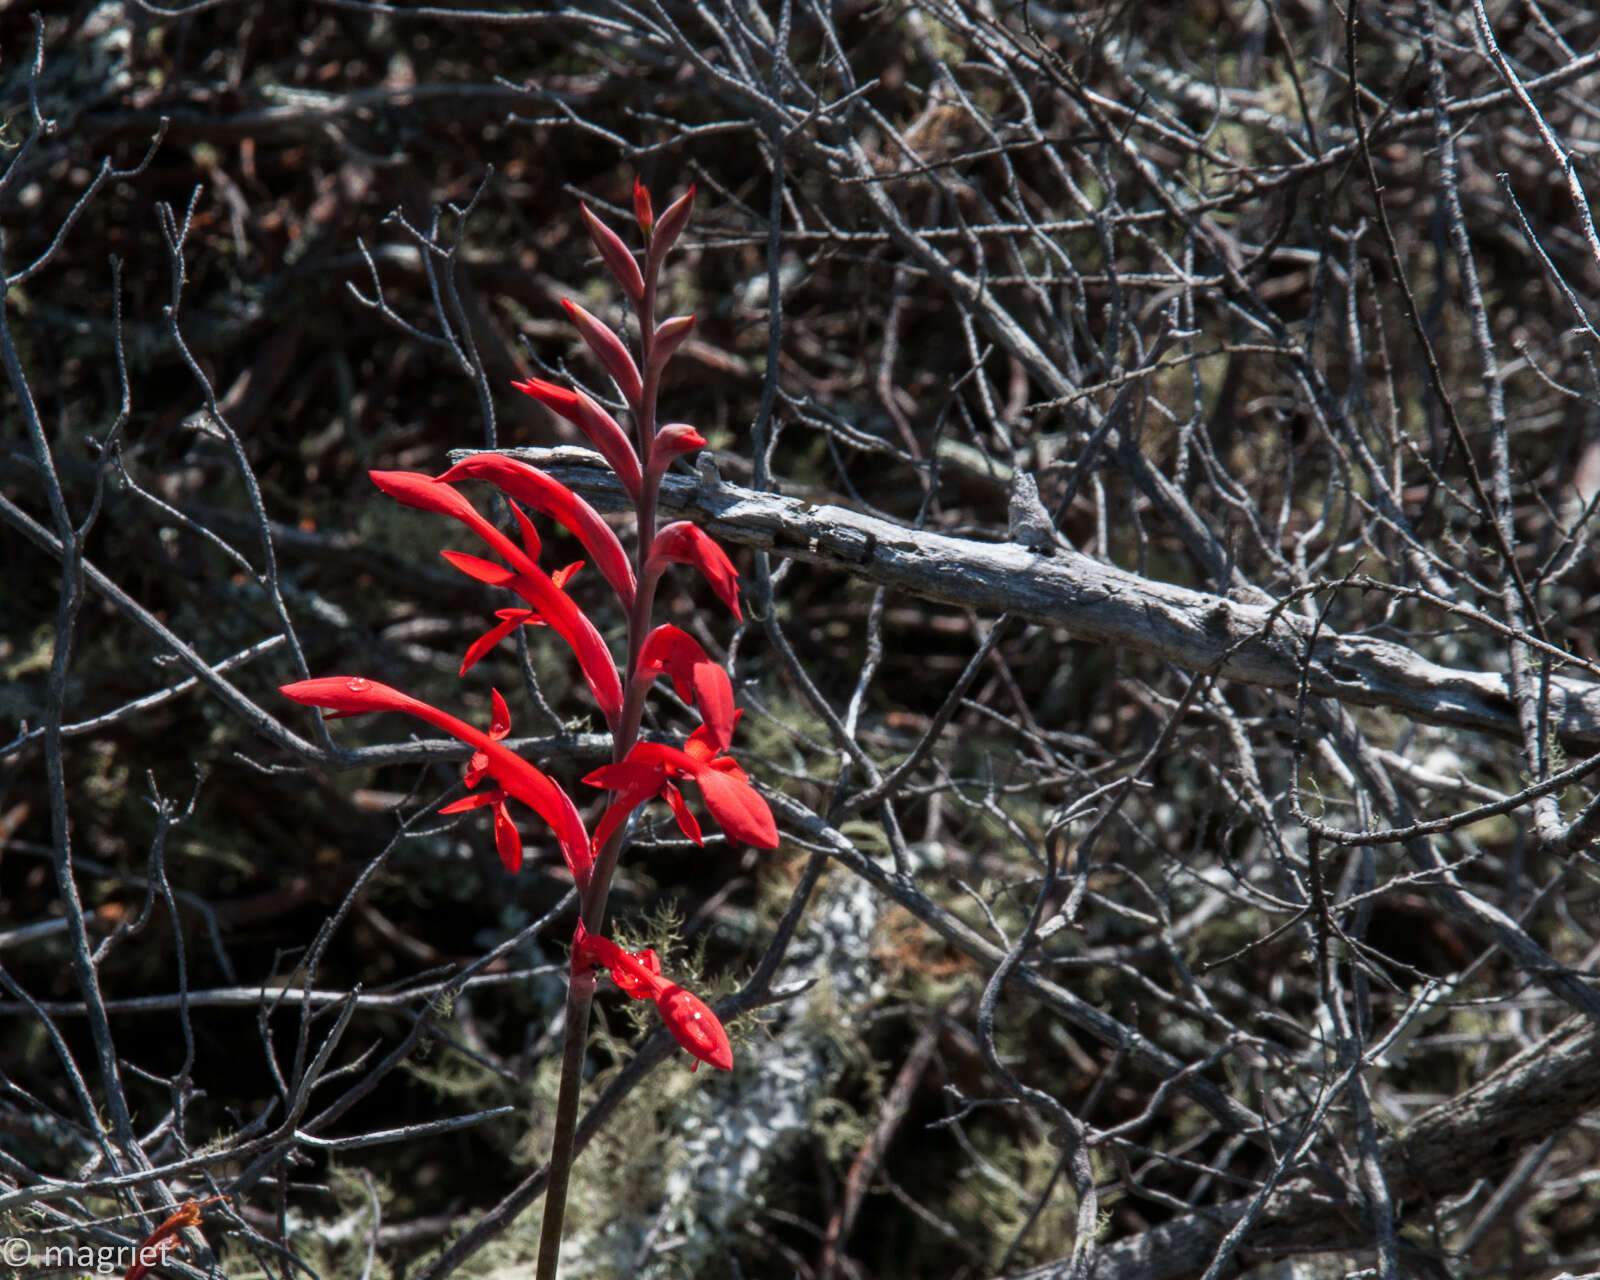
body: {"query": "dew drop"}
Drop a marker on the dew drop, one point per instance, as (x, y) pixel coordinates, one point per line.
(697, 1017)
(358, 685)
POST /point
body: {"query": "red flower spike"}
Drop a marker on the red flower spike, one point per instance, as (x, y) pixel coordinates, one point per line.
(670, 335)
(672, 441)
(608, 349)
(615, 255)
(695, 678)
(688, 1017)
(352, 695)
(643, 214)
(684, 543)
(669, 226)
(545, 494)
(595, 423)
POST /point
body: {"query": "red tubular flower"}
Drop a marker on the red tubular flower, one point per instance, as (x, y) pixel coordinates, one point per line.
(598, 425)
(672, 441)
(608, 349)
(684, 543)
(529, 581)
(696, 678)
(544, 493)
(615, 255)
(650, 769)
(687, 1016)
(353, 695)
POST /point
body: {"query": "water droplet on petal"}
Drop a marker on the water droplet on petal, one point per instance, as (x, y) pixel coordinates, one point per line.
(358, 685)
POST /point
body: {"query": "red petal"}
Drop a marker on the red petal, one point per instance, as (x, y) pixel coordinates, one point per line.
(617, 813)
(615, 255)
(427, 494)
(544, 493)
(738, 808)
(475, 801)
(702, 746)
(630, 982)
(493, 636)
(506, 839)
(530, 535)
(499, 717)
(413, 489)
(655, 755)
(686, 820)
(511, 771)
(472, 775)
(625, 775)
(713, 694)
(496, 575)
(594, 422)
(609, 349)
(684, 543)
(348, 695)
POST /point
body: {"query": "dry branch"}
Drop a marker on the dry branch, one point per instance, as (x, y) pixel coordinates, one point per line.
(1100, 604)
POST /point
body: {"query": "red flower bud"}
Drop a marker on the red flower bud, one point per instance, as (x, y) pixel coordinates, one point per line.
(615, 255)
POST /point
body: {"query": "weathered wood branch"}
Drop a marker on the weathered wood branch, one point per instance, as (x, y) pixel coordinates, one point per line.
(1097, 602)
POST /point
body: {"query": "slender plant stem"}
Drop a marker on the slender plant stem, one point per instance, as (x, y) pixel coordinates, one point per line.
(579, 997)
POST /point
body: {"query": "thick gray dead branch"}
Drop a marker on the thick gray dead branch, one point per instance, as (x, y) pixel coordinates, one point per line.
(1096, 602)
